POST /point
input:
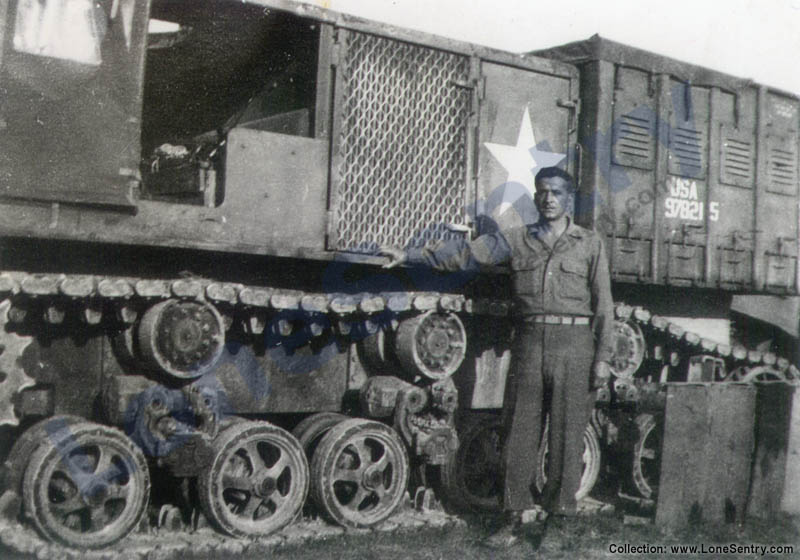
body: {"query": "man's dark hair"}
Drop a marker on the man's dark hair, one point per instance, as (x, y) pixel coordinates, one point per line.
(548, 172)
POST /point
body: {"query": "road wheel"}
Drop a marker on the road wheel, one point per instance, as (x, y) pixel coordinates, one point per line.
(311, 430)
(647, 455)
(27, 443)
(359, 473)
(257, 482)
(86, 487)
(591, 462)
(471, 478)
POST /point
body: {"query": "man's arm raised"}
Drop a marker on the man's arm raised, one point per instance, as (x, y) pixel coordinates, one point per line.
(455, 254)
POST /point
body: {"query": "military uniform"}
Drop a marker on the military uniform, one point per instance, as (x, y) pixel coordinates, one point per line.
(563, 315)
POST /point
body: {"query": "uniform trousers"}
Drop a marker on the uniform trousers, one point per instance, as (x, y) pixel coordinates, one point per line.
(549, 374)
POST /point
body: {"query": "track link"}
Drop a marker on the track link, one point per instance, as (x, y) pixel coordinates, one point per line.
(687, 343)
(12, 376)
(92, 289)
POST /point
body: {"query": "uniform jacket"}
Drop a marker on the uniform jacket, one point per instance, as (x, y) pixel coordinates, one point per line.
(570, 278)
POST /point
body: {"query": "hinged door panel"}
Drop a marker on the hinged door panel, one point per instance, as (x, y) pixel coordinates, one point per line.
(525, 124)
(71, 81)
(398, 171)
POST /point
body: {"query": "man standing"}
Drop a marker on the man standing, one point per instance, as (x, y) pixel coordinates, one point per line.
(563, 319)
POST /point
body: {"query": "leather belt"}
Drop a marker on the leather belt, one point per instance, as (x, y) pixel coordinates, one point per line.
(560, 320)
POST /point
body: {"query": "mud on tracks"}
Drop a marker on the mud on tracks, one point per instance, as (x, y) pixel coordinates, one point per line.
(21, 541)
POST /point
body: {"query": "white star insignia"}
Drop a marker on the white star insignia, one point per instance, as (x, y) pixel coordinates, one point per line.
(522, 162)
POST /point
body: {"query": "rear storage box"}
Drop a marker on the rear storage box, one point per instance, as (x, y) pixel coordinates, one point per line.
(707, 451)
(691, 174)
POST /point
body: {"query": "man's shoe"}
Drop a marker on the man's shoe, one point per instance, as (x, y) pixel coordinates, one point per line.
(534, 515)
(504, 538)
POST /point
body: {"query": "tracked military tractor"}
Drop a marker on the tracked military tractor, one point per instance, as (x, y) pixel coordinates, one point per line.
(192, 199)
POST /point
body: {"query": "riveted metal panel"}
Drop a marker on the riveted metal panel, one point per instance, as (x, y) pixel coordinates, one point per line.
(735, 267)
(706, 453)
(631, 258)
(399, 165)
(302, 380)
(701, 168)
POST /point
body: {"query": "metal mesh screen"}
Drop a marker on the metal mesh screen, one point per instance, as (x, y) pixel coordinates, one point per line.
(401, 176)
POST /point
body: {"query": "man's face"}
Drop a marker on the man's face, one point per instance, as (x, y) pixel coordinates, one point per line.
(553, 198)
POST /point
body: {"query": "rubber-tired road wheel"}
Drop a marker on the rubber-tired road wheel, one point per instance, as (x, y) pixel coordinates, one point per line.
(359, 473)
(27, 443)
(86, 486)
(591, 462)
(647, 455)
(257, 482)
(471, 478)
(310, 431)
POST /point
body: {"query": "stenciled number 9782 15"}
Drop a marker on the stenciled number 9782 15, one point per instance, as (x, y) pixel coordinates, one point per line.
(685, 204)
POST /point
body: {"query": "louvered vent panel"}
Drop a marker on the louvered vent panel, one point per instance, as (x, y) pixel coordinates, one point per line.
(687, 150)
(737, 161)
(401, 175)
(634, 140)
(782, 166)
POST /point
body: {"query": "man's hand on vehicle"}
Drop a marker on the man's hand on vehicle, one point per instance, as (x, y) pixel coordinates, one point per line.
(396, 256)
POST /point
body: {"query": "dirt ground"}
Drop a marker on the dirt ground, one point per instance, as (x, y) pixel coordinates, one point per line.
(435, 536)
(584, 537)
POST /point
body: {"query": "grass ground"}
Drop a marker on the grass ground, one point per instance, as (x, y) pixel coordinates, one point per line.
(411, 534)
(577, 538)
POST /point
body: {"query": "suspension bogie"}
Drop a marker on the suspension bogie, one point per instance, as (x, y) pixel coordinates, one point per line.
(181, 358)
(190, 370)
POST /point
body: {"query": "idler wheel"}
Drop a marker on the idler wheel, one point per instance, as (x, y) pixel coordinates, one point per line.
(590, 458)
(432, 344)
(86, 486)
(359, 473)
(184, 339)
(257, 482)
(629, 349)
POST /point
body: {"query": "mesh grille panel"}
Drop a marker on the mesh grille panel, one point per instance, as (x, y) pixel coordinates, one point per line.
(401, 176)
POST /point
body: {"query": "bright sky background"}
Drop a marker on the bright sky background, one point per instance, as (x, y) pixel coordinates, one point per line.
(758, 39)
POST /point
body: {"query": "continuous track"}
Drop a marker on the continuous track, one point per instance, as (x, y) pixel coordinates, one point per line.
(651, 349)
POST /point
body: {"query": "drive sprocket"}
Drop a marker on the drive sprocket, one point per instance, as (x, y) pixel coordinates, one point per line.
(12, 376)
